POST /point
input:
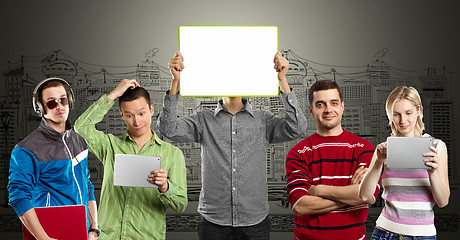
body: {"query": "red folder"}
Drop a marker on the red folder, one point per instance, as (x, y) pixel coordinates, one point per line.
(62, 223)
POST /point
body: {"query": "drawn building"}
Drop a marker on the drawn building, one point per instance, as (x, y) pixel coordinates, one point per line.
(442, 128)
(364, 113)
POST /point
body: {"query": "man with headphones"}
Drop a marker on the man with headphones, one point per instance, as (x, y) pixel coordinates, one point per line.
(50, 166)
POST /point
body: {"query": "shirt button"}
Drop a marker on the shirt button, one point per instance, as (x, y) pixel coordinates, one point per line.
(290, 100)
(234, 189)
(233, 132)
(234, 170)
(127, 206)
(233, 150)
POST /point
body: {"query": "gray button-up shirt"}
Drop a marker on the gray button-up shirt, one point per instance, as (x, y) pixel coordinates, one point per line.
(233, 155)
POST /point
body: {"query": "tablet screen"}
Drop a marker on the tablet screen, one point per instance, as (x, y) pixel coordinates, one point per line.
(407, 152)
(133, 170)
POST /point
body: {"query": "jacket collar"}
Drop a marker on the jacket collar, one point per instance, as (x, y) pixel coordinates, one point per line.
(51, 132)
(154, 139)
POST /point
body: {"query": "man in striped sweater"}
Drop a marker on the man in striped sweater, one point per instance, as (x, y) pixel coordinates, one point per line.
(324, 172)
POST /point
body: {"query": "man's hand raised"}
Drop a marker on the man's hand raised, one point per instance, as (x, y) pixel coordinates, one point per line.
(282, 66)
(122, 87)
(175, 65)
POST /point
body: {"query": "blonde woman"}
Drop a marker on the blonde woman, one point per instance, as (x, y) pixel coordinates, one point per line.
(409, 194)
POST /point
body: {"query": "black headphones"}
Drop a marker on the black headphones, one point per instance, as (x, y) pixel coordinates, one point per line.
(38, 106)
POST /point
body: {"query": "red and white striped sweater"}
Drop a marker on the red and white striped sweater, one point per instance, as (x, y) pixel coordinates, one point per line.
(329, 161)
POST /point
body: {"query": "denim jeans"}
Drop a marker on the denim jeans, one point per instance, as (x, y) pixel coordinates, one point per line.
(210, 231)
(380, 234)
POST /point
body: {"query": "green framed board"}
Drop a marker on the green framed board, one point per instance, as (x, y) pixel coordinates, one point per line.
(228, 61)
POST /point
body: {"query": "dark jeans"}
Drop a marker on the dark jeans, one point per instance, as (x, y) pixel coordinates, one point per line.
(210, 231)
(380, 234)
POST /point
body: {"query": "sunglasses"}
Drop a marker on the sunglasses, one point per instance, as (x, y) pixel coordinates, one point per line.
(53, 103)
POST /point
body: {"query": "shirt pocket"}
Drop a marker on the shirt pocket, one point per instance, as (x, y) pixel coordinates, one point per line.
(251, 130)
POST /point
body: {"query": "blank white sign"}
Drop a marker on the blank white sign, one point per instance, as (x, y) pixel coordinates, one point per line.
(228, 61)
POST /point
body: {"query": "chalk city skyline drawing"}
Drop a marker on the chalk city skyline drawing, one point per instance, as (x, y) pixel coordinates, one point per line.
(365, 89)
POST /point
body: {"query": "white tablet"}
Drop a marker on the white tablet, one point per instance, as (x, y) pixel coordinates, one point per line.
(407, 152)
(228, 61)
(133, 170)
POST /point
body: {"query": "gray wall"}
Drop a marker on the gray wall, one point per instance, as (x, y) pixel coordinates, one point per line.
(325, 34)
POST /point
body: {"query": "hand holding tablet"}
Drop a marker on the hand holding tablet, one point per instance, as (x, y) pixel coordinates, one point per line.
(133, 170)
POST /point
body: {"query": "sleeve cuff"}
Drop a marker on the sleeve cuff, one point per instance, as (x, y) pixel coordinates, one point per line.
(281, 92)
(91, 196)
(103, 104)
(106, 100)
(23, 206)
(168, 194)
(296, 202)
(290, 98)
(170, 100)
(296, 194)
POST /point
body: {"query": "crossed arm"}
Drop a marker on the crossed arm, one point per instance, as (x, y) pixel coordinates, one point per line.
(325, 198)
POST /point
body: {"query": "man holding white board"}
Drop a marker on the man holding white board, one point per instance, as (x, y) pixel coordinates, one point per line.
(234, 139)
(134, 212)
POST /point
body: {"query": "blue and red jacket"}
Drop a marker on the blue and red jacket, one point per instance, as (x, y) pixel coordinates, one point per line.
(49, 168)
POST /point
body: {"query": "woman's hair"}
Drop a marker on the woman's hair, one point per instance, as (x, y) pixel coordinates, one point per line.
(411, 94)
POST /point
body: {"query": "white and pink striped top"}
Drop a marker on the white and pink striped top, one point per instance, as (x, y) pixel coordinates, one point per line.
(408, 200)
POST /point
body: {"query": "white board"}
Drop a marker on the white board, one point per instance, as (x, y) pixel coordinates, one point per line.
(228, 61)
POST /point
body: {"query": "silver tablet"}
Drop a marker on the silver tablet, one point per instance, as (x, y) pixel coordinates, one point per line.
(133, 170)
(407, 152)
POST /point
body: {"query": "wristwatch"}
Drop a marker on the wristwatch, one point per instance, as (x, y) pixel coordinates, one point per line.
(97, 231)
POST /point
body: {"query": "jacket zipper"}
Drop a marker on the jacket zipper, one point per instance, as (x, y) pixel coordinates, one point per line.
(48, 200)
(71, 163)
